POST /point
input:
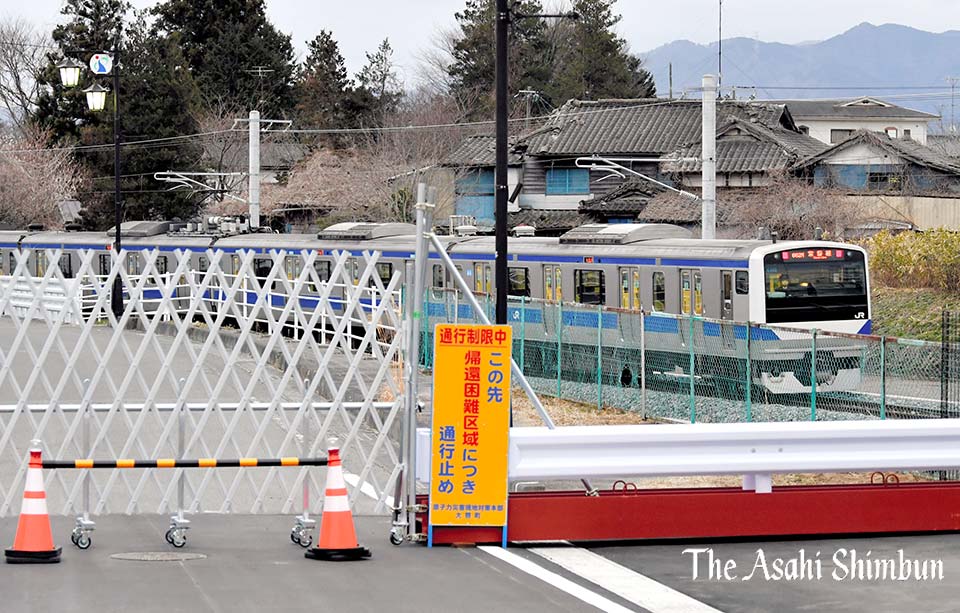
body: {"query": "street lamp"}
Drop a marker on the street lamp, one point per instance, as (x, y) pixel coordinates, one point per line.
(69, 72)
(104, 63)
(96, 97)
(503, 18)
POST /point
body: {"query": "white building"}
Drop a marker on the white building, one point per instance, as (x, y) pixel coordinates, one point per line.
(832, 121)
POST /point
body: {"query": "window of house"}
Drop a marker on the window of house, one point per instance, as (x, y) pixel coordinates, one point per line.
(906, 133)
(561, 181)
(659, 292)
(884, 181)
(519, 281)
(891, 132)
(839, 135)
(588, 285)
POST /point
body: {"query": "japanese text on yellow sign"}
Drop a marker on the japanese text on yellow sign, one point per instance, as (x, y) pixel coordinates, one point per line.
(471, 425)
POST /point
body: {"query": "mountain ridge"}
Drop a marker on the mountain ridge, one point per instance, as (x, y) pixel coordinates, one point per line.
(899, 63)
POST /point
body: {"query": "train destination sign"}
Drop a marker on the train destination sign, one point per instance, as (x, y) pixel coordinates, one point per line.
(471, 425)
(813, 255)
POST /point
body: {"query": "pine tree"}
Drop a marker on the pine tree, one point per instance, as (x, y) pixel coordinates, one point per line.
(379, 78)
(322, 84)
(473, 70)
(594, 62)
(238, 58)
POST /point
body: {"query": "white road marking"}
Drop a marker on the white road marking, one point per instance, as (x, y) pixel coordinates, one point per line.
(365, 488)
(629, 585)
(552, 578)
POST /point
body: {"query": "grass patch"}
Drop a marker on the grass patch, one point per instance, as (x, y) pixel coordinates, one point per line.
(911, 313)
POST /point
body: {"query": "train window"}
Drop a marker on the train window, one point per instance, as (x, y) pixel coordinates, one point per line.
(558, 289)
(548, 284)
(13, 262)
(40, 262)
(743, 282)
(685, 292)
(356, 270)
(384, 271)
(323, 269)
(162, 265)
(659, 292)
(292, 266)
(203, 264)
(488, 278)
(66, 266)
(625, 289)
(261, 267)
(133, 264)
(105, 264)
(478, 278)
(588, 286)
(519, 281)
(1, 263)
(697, 294)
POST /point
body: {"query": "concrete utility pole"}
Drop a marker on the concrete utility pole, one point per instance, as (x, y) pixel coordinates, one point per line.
(254, 157)
(708, 164)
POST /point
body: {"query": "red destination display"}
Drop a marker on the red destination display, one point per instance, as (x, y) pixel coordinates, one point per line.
(813, 255)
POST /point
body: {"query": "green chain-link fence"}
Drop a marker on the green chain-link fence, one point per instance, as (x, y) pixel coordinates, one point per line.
(701, 370)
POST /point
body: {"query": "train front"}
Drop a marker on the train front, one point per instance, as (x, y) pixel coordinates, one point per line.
(799, 286)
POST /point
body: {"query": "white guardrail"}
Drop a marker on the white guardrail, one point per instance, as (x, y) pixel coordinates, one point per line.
(754, 450)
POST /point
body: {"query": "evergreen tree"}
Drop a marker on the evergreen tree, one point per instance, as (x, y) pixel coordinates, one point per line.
(322, 84)
(593, 62)
(473, 70)
(236, 56)
(379, 78)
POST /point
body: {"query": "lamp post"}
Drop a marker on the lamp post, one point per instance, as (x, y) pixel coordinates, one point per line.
(501, 277)
(102, 64)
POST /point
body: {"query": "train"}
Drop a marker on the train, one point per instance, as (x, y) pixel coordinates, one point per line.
(660, 269)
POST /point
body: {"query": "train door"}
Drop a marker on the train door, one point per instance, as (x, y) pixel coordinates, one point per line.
(552, 296)
(630, 288)
(482, 278)
(726, 306)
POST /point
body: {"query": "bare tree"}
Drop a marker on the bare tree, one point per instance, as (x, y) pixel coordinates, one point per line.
(23, 50)
(35, 178)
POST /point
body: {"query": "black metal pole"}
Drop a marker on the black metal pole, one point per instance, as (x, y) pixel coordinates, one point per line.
(116, 296)
(500, 212)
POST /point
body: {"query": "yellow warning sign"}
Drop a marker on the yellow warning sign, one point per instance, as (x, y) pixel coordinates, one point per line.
(471, 425)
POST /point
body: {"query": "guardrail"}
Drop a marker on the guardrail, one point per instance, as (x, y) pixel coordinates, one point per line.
(755, 450)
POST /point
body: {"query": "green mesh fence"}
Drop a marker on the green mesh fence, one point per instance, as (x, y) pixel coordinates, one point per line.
(693, 369)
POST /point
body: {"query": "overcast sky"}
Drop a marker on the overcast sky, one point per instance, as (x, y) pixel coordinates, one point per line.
(360, 25)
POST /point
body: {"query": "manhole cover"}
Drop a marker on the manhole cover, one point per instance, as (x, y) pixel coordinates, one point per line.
(158, 556)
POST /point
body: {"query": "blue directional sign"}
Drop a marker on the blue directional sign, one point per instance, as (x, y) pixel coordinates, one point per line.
(101, 63)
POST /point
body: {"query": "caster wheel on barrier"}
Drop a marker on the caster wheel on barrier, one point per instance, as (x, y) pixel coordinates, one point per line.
(306, 540)
(83, 541)
(396, 537)
(74, 537)
(295, 536)
(176, 537)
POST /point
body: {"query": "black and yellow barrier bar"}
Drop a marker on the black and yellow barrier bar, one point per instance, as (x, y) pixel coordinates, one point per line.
(172, 463)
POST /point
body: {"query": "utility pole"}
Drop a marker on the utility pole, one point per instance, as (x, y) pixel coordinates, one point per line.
(670, 79)
(500, 181)
(502, 18)
(254, 161)
(953, 87)
(708, 164)
(720, 47)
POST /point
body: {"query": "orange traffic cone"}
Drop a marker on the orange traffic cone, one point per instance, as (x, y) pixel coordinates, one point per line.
(34, 541)
(338, 538)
